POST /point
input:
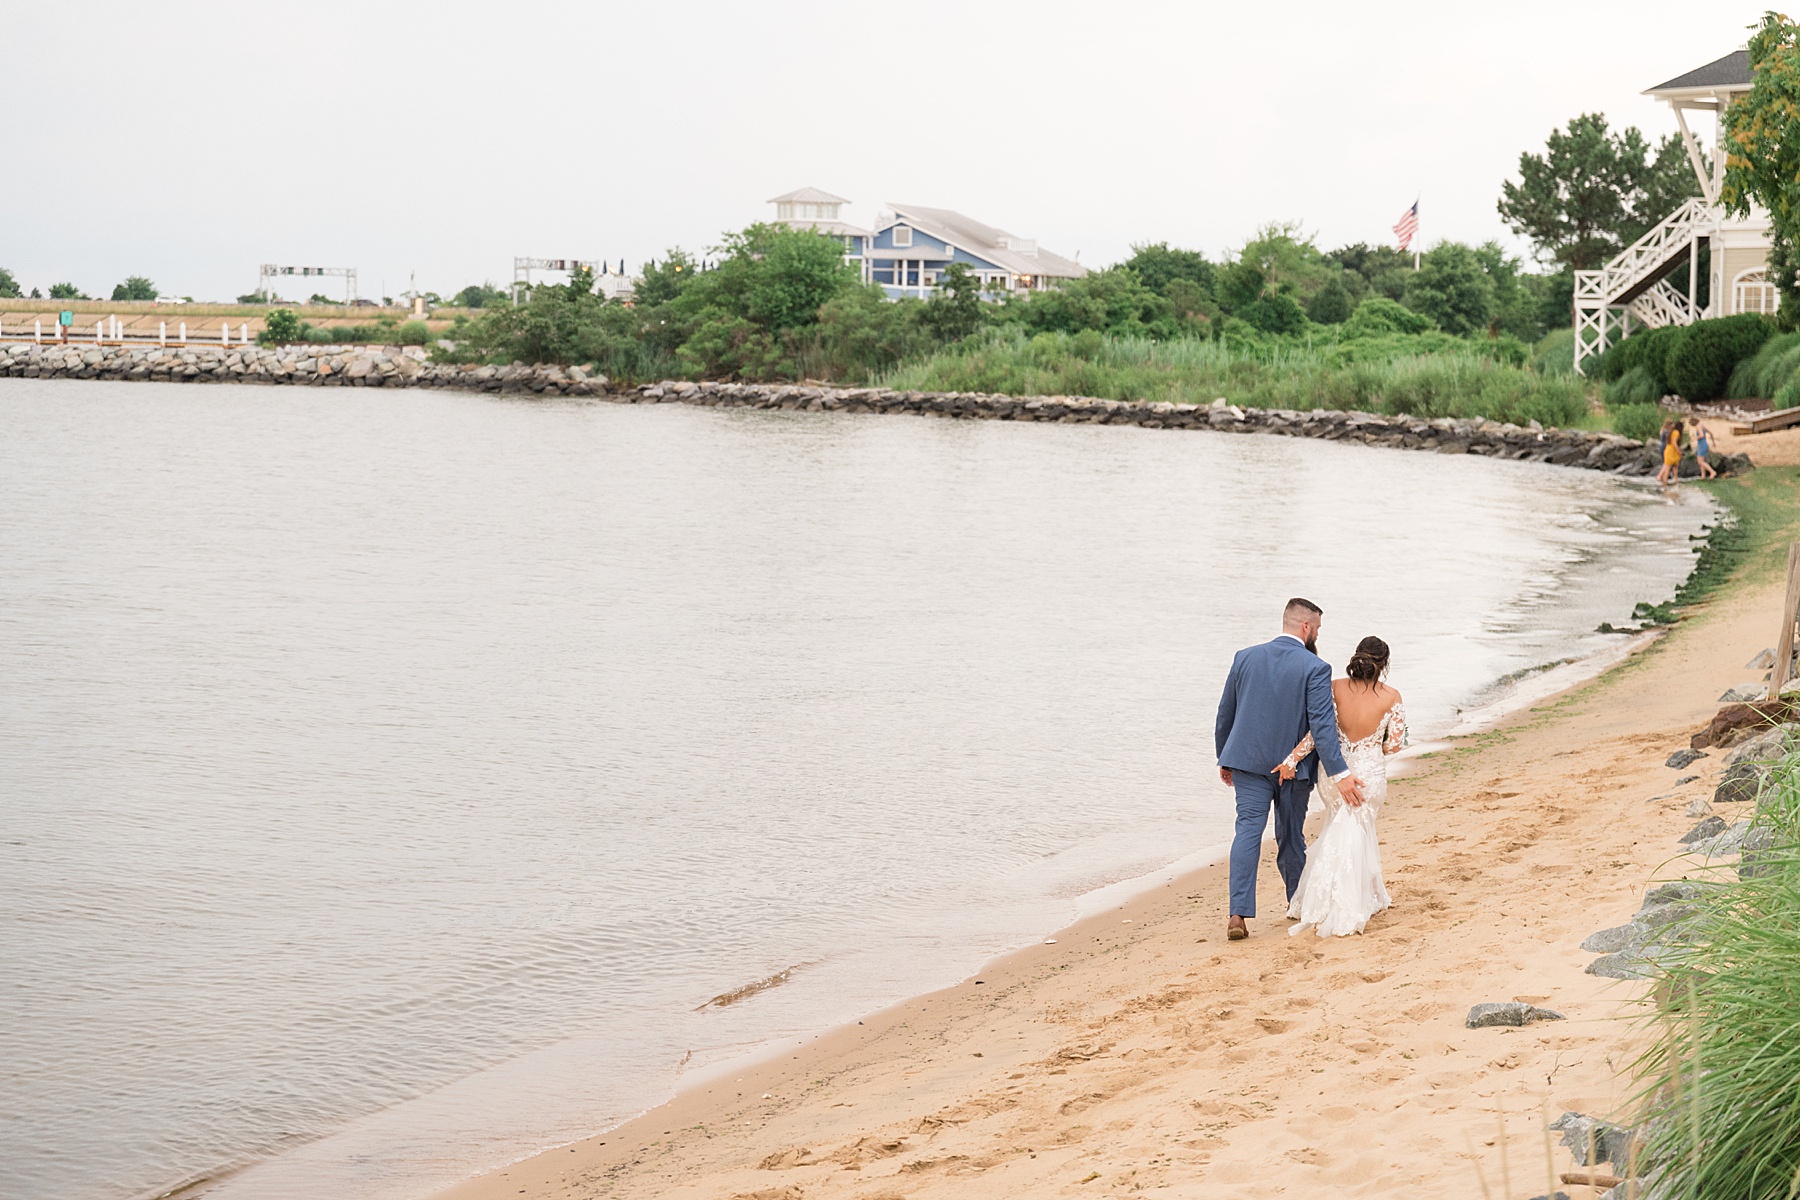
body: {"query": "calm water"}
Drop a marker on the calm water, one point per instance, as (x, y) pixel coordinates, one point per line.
(386, 778)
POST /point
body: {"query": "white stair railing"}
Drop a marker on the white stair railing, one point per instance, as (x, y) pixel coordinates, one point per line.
(1598, 292)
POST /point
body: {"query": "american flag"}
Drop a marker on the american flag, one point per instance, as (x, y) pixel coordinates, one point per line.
(1408, 225)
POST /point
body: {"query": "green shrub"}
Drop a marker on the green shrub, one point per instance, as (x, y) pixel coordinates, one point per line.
(1640, 422)
(1701, 362)
(1634, 387)
(412, 333)
(1555, 354)
(1378, 316)
(282, 325)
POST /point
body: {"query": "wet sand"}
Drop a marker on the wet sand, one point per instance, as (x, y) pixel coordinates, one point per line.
(1143, 1052)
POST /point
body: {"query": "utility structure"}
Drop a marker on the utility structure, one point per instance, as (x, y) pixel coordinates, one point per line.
(523, 267)
(271, 270)
(1645, 285)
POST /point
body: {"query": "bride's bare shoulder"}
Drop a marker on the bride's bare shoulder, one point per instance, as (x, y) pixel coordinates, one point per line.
(1390, 694)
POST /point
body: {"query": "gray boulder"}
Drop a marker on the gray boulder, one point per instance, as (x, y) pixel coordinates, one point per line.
(1611, 1143)
(1707, 828)
(1508, 1012)
(1682, 758)
(1729, 841)
(1740, 783)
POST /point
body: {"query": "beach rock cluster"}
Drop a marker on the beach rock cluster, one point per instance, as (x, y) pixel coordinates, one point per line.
(394, 366)
(1627, 951)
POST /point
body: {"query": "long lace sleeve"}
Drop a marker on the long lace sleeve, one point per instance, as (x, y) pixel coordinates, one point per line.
(1396, 739)
(1301, 751)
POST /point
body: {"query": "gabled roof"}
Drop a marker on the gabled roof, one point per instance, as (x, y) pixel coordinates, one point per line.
(1729, 74)
(809, 195)
(985, 241)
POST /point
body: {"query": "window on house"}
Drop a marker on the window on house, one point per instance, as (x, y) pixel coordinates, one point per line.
(902, 235)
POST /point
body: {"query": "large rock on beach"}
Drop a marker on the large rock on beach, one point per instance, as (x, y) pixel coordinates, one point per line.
(1739, 722)
(1508, 1013)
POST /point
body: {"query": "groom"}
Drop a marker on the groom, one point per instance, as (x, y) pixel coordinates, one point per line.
(1276, 693)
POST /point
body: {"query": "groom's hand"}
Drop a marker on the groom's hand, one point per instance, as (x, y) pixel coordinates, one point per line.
(1225, 775)
(1350, 788)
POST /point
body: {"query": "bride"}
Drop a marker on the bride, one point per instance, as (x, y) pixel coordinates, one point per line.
(1341, 887)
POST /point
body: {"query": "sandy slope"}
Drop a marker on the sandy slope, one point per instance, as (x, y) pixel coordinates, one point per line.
(1142, 1052)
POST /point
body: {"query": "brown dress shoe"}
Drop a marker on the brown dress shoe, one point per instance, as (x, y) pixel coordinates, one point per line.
(1236, 930)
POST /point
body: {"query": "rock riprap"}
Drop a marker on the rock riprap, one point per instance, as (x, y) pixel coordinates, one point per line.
(393, 366)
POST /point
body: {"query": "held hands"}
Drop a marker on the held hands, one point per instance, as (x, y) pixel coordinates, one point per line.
(1285, 772)
(1350, 788)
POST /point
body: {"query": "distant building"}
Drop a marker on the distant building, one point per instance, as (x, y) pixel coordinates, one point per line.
(1655, 281)
(910, 248)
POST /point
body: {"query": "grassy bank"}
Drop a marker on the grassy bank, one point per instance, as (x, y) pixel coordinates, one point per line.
(1398, 375)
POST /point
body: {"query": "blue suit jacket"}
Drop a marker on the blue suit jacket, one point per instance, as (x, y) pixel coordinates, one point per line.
(1275, 694)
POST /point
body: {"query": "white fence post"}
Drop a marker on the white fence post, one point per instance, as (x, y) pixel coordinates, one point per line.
(162, 333)
(184, 333)
(37, 330)
(244, 332)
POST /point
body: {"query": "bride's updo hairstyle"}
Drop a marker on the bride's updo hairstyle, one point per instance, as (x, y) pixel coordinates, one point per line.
(1370, 662)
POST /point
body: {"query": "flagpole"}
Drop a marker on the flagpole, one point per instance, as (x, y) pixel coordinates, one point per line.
(1416, 238)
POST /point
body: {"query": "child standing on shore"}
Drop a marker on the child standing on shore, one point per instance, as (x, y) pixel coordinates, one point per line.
(1702, 447)
(1671, 457)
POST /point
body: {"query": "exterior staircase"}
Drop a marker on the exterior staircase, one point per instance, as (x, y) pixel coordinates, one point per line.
(1634, 282)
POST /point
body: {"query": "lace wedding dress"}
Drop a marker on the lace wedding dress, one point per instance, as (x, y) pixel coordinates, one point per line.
(1341, 887)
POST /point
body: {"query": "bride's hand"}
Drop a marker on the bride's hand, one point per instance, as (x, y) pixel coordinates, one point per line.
(1285, 772)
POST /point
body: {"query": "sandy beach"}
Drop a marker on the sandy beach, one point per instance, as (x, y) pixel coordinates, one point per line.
(1139, 1051)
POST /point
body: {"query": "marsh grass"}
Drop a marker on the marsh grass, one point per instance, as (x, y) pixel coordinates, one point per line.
(1387, 375)
(1720, 1097)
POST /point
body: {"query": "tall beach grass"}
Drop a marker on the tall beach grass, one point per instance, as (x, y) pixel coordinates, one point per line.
(1451, 379)
(1721, 1098)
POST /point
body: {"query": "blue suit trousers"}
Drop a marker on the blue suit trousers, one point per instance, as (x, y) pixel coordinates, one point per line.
(1256, 796)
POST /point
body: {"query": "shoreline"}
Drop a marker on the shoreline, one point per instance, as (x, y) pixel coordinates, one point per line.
(994, 1085)
(407, 367)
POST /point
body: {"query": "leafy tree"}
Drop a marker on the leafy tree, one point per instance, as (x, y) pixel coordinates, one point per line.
(1762, 160)
(135, 287)
(1157, 267)
(1191, 304)
(774, 276)
(1372, 270)
(1452, 289)
(1240, 284)
(321, 298)
(1288, 260)
(1592, 191)
(659, 283)
(66, 291)
(1331, 305)
(1518, 309)
(955, 310)
(9, 287)
(478, 295)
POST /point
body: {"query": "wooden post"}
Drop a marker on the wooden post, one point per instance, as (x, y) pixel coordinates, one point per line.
(1790, 611)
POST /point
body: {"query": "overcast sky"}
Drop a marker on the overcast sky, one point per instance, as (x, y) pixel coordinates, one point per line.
(190, 143)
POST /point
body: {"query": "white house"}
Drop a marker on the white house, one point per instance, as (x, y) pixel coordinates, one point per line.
(1643, 287)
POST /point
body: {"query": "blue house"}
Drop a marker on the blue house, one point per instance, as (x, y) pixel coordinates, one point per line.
(910, 248)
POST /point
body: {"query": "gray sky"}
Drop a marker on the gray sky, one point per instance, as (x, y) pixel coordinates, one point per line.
(190, 143)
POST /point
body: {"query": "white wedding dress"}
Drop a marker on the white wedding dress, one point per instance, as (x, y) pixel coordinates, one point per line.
(1341, 886)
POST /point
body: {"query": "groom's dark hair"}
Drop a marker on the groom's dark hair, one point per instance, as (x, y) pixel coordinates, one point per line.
(1301, 610)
